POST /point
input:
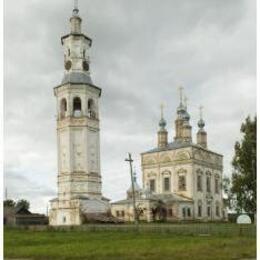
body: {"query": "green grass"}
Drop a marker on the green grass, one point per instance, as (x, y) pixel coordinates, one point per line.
(115, 245)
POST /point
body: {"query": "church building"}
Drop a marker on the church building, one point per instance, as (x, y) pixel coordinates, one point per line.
(181, 178)
(78, 141)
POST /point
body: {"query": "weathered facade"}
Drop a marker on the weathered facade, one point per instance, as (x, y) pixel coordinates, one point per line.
(79, 177)
(184, 177)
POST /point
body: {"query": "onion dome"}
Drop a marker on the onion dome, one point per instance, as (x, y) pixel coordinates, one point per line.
(186, 116)
(201, 123)
(162, 123)
(136, 186)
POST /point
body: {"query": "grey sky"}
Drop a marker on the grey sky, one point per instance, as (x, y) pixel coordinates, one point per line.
(142, 51)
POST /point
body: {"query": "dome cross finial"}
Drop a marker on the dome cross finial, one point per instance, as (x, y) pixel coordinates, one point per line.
(162, 122)
(76, 9)
(181, 90)
(201, 110)
(201, 122)
(185, 102)
(162, 107)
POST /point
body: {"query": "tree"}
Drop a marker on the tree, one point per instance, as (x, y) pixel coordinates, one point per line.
(23, 203)
(243, 183)
(9, 203)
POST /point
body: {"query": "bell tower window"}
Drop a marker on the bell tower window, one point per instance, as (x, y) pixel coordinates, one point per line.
(63, 108)
(77, 107)
(91, 110)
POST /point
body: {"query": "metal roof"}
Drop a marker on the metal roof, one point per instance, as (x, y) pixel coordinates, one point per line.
(76, 77)
(179, 144)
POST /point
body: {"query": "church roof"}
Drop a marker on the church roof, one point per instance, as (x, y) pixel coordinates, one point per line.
(177, 145)
(171, 197)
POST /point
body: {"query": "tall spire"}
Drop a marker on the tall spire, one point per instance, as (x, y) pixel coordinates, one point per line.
(76, 9)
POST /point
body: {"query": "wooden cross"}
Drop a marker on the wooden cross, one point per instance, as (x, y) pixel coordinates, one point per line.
(130, 160)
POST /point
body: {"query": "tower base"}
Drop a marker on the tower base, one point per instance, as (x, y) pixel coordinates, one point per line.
(72, 212)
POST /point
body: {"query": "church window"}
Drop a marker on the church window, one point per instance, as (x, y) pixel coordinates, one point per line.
(199, 210)
(84, 54)
(63, 108)
(199, 183)
(188, 212)
(117, 213)
(208, 184)
(152, 185)
(166, 184)
(208, 211)
(216, 185)
(184, 212)
(76, 106)
(64, 219)
(217, 210)
(68, 52)
(91, 111)
(122, 213)
(170, 214)
(182, 183)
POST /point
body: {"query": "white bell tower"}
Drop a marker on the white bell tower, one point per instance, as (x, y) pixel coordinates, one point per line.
(79, 177)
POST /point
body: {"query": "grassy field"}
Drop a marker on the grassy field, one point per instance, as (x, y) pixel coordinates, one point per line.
(95, 245)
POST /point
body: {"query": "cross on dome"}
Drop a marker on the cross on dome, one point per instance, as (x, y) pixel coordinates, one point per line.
(185, 101)
(76, 9)
(180, 89)
(162, 107)
(201, 108)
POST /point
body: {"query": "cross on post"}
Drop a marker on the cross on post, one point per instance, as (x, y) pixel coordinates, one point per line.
(130, 160)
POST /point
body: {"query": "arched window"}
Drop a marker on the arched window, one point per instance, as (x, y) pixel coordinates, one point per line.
(76, 107)
(208, 184)
(199, 180)
(199, 208)
(84, 54)
(182, 179)
(63, 108)
(68, 52)
(217, 209)
(91, 108)
(217, 184)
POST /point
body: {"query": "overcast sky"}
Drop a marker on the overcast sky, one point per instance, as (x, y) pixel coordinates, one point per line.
(142, 51)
